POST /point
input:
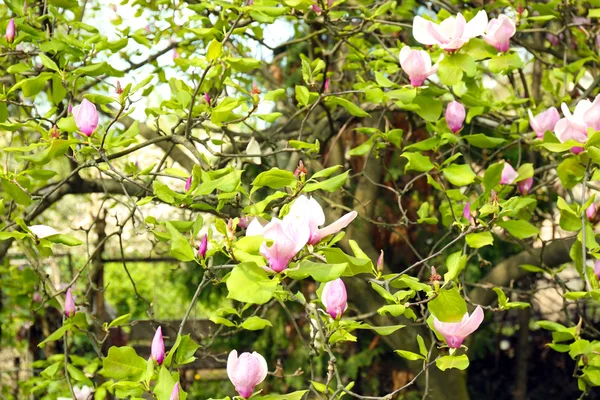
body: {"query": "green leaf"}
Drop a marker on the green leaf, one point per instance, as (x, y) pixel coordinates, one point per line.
(164, 384)
(455, 263)
(123, 363)
(448, 306)
(384, 330)
(275, 178)
(180, 248)
(355, 265)
(318, 271)
(250, 284)
(492, 176)
(394, 310)
(409, 355)
(519, 228)
(215, 49)
(382, 80)
(417, 162)
(329, 185)
(348, 105)
(48, 63)
(255, 323)
(298, 395)
(483, 142)
(122, 320)
(478, 240)
(186, 350)
(429, 109)
(447, 362)
(324, 173)
(459, 175)
(57, 334)
(505, 62)
(302, 95)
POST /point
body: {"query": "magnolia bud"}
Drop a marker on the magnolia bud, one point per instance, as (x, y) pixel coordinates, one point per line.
(188, 184)
(86, 117)
(525, 185)
(157, 351)
(467, 213)
(326, 87)
(455, 116)
(70, 307)
(203, 246)
(246, 371)
(591, 211)
(10, 31)
(207, 98)
(380, 262)
(335, 298)
(119, 89)
(255, 89)
(175, 392)
(434, 277)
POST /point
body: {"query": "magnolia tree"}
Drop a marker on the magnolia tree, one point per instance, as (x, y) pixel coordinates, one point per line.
(359, 168)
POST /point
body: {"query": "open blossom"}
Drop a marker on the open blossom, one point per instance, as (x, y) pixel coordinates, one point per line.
(499, 31)
(10, 31)
(525, 185)
(310, 212)
(544, 121)
(246, 371)
(158, 347)
(455, 116)
(574, 126)
(175, 392)
(289, 236)
(335, 298)
(590, 212)
(456, 332)
(82, 393)
(417, 65)
(86, 117)
(452, 33)
(508, 174)
(70, 307)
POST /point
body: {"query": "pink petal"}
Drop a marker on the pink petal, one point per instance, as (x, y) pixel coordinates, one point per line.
(508, 174)
(592, 116)
(254, 228)
(335, 227)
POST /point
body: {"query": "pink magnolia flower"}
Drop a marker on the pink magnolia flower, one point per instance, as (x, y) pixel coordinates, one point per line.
(82, 393)
(316, 8)
(452, 33)
(499, 31)
(10, 31)
(335, 298)
(310, 212)
(254, 228)
(590, 212)
(597, 268)
(574, 126)
(544, 121)
(455, 332)
(553, 39)
(525, 185)
(175, 392)
(158, 347)
(188, 183)
(289, 237)
(417, 65)
(246, 371)
(455, 116)
(508, 174)
(86, 117)
(326, 86)
(203, 247)
(70, 307)
(207, 98)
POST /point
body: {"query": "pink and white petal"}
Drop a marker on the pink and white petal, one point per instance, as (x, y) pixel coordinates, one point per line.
(335, 227)
(254, 228)
(472, 323)
(424, 31)
(264, 368)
